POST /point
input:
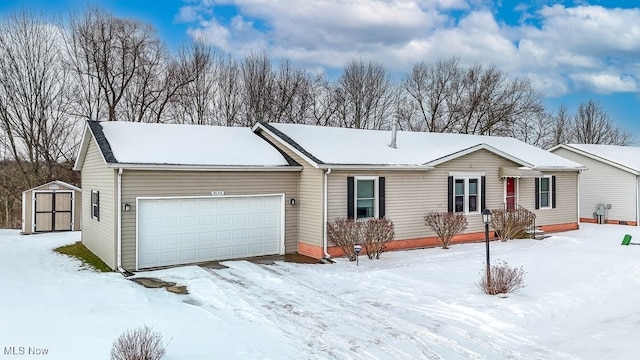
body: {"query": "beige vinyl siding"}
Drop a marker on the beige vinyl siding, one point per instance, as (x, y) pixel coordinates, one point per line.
(310, 193)
(410, 194)
(99, 235)
(566, 210)
(604, 184)
(139, 183)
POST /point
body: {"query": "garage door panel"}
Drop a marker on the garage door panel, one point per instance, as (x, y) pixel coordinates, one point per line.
(180, 231)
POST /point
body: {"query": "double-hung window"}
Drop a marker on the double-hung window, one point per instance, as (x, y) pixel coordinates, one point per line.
(466, 194)
(545, 192)
(95, 205)
(366, 197)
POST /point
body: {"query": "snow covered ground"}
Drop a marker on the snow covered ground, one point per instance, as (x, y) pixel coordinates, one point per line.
(582, 301)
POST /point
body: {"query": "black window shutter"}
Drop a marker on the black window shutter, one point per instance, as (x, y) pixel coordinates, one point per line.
(350, 197)
(483, 187)
(450, 194)
(537, 196)
(553, 191)
(381, 210)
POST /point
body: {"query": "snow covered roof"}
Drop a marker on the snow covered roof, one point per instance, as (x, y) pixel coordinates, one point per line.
(624, 157)
(130, 144)
(324, 146)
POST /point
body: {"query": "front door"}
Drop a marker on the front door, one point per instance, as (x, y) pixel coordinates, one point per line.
(511, 194)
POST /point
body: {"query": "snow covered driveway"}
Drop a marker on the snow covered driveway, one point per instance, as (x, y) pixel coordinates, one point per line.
(581, 302)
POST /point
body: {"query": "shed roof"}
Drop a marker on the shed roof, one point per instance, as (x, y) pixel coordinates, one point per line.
(624, 157)
(59, 183)
(329, 146)
(130, 144)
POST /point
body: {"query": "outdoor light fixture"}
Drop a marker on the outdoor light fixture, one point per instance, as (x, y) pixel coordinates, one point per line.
(292, 201)
(486, 216)
(486, 219)
(126, 207)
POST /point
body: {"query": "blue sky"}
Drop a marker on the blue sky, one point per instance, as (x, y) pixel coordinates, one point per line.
(572, 50)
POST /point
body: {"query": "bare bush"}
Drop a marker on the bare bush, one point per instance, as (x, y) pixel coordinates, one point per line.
(446, 225)
(345, 233)
(376, 233)
(503, 279)
(138, 344)
(511, 224)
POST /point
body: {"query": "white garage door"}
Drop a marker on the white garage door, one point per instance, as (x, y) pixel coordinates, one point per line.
(174, 231)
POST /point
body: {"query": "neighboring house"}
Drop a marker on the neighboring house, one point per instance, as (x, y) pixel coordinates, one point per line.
(357, 174)
(54, 206)
(609, 189)
(160, 194)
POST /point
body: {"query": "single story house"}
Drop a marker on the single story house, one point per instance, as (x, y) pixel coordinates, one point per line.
(610, 188)
(54, 206)
(367, 173)
(165, 194)
(162, 194)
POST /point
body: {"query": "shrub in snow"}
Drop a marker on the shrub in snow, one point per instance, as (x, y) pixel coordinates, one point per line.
(373, 234)
(345, 233)
(138, 344)
(446, 225)
(376, 233)
(511, 224)
(503, 279)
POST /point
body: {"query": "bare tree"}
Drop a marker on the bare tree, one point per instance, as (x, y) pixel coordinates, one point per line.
(34, 97)
(106, 55)
(323, 105)
(229, 102)
(195, 101)
(432, 89)
(593, 125)
(38, 139)
(365, 96)
(257, 80)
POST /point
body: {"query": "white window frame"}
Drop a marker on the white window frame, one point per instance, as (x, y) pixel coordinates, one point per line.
(376, 199)
(95, 205)
(466, 179)
(539, 194)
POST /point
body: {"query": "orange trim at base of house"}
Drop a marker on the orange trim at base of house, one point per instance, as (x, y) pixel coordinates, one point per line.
(425, 242)
(559, 227)
(315, 252)
(609, 221)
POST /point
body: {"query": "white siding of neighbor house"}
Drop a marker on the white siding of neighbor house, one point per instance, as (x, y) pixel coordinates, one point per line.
(411, 194)
(309, 202)
(99, 235)
(602, 183)
(162, 183)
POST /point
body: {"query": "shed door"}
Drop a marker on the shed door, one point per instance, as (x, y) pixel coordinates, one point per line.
(53, 211)
(188, 230)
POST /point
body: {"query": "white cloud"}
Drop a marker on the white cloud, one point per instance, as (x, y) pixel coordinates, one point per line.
(561, 48)
(605, 82)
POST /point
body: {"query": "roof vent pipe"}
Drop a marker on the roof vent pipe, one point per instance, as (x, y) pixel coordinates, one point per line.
(394, 133)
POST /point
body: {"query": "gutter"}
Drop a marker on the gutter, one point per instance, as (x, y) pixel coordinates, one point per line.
(325, 214)
(119, 221)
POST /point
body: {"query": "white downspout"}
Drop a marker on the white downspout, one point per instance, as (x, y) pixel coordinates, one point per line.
(325, 215)
(578, 197)
(119, 221)
(637, 199)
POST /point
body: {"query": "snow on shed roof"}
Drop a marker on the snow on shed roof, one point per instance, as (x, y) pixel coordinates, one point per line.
(626, 156)
(181, 144)
(342, 146)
